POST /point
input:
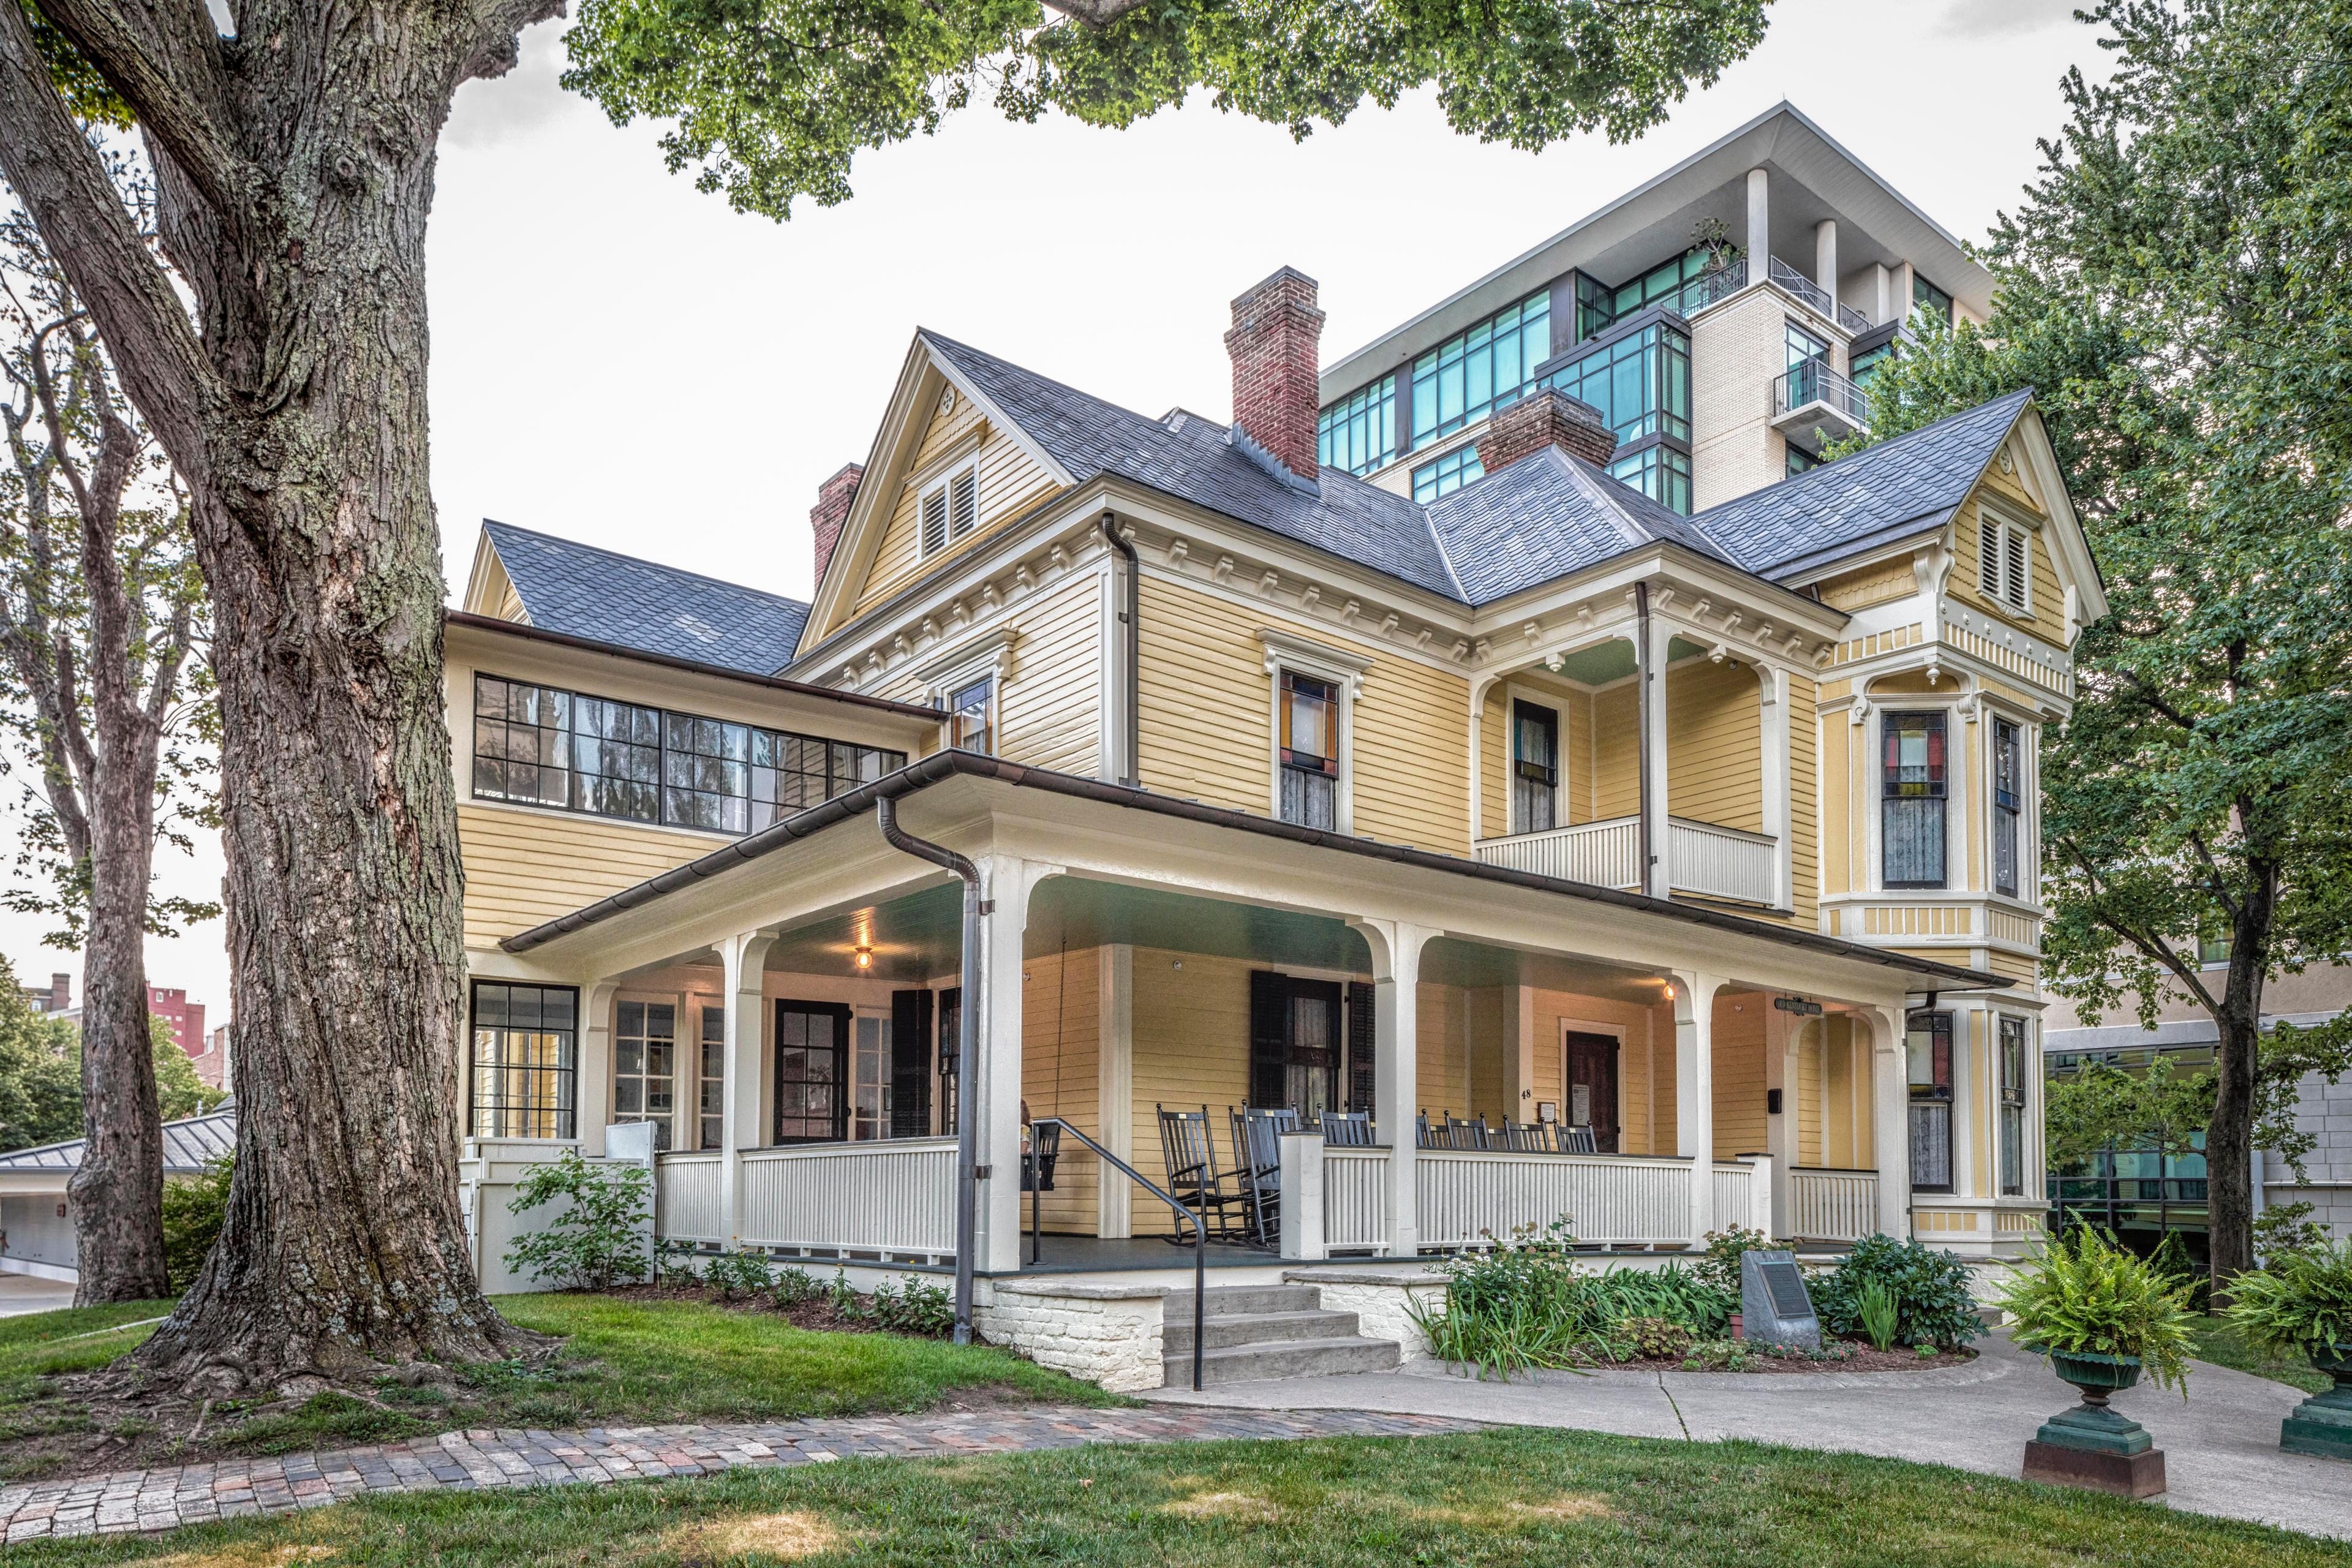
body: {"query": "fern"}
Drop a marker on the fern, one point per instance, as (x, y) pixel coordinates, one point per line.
(2302, 1302)
(2086, 1296)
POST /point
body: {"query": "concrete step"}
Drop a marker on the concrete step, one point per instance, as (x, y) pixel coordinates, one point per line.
(1227, 1330)
(1230, 1300)
(1294, 1358)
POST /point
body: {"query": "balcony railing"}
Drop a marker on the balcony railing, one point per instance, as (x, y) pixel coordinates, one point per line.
(1708, 287)
(1712, 861)
(1813, 404)
(1722, 862)
(1813, 294)
(1833, 1206)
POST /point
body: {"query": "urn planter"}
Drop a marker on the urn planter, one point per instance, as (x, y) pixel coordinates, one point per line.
(2322, 1425)
(2093, 1445)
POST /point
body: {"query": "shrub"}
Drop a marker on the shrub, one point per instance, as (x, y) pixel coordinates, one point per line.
(913, 1308)
(2171, 1260)
(740, 1274)
(2302, 1301)
(794, 1288)
(193, 1207)
(599, 1238)
(1651, 1339)
(1933, 1305)
(1720, 1266)
(674, 1265)
(2086, 1295)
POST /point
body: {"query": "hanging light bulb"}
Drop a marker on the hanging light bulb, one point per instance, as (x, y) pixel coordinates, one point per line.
(865, 956)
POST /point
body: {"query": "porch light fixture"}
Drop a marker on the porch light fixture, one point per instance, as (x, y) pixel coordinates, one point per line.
(865, 956)
(1670, 990)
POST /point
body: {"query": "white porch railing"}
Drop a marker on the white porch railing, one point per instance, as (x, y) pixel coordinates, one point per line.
(895, 1195)
(1605, 854)
(1723, 862)
(1355, 1198)
(686, 1197)
(1833, 1206)
(1614, 1200)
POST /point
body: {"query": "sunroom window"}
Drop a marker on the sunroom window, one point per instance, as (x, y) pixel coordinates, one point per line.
(524, 1061)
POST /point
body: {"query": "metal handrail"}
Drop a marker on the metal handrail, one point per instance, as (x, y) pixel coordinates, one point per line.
(1711, 286)
(1200, 1233)
(1814, 382)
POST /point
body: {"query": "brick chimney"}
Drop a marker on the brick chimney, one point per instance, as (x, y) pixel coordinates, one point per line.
(61, 992)
(832, 510)
(1549, 417)
(1273, 341)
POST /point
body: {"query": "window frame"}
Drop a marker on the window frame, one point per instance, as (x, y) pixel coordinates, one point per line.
(1925, 297)
(666, 1138)
(942, 485)
(564, 1112)
(2007, 815)
(2009, 1143)
(2005, 546)
(1933, 1093)
(1556, 790)
(1360, 428)
(1941, 718)
(1294, 655)
(709, 1119)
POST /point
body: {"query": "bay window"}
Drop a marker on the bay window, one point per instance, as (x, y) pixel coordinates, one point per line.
(2012, 1106)
(1914, 788)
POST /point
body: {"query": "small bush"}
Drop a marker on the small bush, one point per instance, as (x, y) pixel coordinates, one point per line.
(2086, 1295)
(739, 1275)
(1933, 1304)
(2302, 1302)
(674, 1266)
(795, 1288)
(1651, 1339)
(2171, 1259)
(1720, 1266)
(193, 1208)
(913, 1308)
(599, 1239)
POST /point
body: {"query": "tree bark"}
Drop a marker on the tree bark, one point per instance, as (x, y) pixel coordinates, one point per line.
(2236, 1068)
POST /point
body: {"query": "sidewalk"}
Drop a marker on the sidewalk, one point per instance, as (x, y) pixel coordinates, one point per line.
(2221, 1452)
(460, 1461)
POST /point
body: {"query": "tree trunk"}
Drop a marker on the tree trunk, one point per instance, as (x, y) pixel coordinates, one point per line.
(118, 1192)
(2229, 1148)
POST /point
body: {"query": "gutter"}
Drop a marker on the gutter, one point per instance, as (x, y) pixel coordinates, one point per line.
(528, 633)
(922, 773)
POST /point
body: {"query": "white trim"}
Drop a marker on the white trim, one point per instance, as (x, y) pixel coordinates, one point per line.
(986, 656)
(2011, 535)
(1345, 672)
(944, 488)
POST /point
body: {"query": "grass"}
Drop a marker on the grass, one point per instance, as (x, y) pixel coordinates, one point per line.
(638, 1360)
(2219, 1342)
(1519, 1498)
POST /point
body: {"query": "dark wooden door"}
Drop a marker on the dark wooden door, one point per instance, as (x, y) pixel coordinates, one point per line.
(1592, 1087)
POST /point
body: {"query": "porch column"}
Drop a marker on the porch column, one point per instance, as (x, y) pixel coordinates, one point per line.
(1890, 1119)
(1657, 878)
(1777, 815)
(1825, 262)
(1521, 1001)
(1396, 1065)
(1760, 223)
(1782, 1034)
(1006, 880)
(1115, 1110)
(595, 1099)
(1695, 1091)
(742, 962)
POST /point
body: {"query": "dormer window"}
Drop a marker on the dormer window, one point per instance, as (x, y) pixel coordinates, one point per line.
(2004, 564)
(950, 509)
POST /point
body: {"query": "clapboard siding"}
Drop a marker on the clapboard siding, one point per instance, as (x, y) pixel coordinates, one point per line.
(1010, 482)
(1714, 744)
(2048, 620)
(1739, 1117)
(524, 867)
(1061, 1068)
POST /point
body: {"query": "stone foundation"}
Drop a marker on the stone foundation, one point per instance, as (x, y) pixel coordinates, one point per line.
(1108, 1335)
(1382, 1300)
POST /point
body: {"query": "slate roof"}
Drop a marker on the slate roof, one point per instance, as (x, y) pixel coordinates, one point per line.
(189, 1145)
(585, 592)
(1542, 517)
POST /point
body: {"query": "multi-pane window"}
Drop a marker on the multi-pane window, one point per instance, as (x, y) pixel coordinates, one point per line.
(644, 1065)
(950, 509)
(1803, 347)
(707, 772)
(1444, 476)
(1914, 788)
(810, 1105)
(950, 1044)
(1861, 367)
(1534, 767)
(971, 705)
(2008, 803)
(1358, 432)
(1662, 284)
(712, 1101)
(2004, 562)
(869, 1104)
(542, 746)
(1596, 306)
(524, 1061)
(1928, 1043)
(1483, 370)
(1641, 384)
(2012, 1106)
(1929, 302)
(1801, 461)
(1661, 472)
(1309, 751)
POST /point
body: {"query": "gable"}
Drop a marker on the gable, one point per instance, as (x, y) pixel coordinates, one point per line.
(489, 591)
(958, 436)
(2003, 498)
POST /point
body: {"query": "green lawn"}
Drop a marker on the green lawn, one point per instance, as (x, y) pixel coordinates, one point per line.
(2220, 1343)
(639, 1361)
(1524, 1499)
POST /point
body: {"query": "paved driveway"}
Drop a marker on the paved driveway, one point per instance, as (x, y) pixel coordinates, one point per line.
(21, 1293)
(2221, 1452)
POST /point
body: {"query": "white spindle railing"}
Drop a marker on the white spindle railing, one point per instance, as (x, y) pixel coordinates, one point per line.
(1611, 1199)
(1355, 1198)
(686, 1197)
(1723, 862)
(1833, 1206)
(1604, 853)
(893, 1195)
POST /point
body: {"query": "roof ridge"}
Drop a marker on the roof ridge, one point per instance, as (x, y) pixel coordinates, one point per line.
(490, 523)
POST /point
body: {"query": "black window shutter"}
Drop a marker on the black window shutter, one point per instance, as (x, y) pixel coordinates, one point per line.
(910, 1064)
(1269, 1037)
(1361, 1081)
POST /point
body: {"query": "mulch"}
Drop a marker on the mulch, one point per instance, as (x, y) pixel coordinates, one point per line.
(1864, 1359)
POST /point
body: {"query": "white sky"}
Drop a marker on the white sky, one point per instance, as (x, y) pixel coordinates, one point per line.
(620, 359)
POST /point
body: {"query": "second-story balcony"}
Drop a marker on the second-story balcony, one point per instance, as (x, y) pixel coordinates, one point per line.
(1703, 858)
(1813, 406)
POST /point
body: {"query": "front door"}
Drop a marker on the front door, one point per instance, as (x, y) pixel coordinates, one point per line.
(1592, 1087)
(812, 1087)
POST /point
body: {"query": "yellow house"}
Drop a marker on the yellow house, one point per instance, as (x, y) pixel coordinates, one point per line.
(1542, 848)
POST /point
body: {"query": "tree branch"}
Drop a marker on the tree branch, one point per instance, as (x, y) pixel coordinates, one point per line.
(1094, 13)
(2155, 700)
(64, 185)
(164, 61)
(2152, 947)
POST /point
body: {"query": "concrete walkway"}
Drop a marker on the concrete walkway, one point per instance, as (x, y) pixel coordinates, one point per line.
(2221, 1452)
(463, 1461)
(21, 1293)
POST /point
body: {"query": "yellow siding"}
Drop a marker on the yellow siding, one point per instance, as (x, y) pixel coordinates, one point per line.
(1739, 1119)
(2048, 620)
(1443, 1085)
(1809, 1095)
(1578, 766)
(1190, 1031)
(1616, 747)
(1646, 1029)
(1870, 586)
(1495, 762)
(1207, 722)
(1060, 1076)
(1844, 1096)
(525, 867)
(1714, 745)
(2014, 966)
(1010, 482)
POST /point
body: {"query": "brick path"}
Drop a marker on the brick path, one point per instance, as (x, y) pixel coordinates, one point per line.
(226, 1489)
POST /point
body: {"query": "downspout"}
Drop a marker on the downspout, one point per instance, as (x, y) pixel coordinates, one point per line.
(1643, 721)
(1130, 613)
(886, 813)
